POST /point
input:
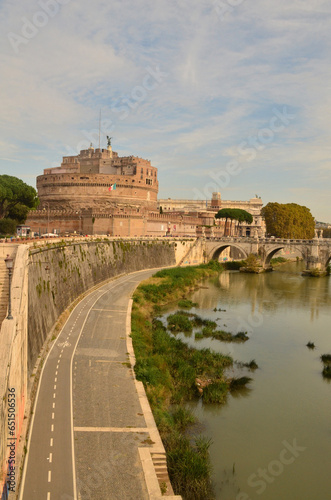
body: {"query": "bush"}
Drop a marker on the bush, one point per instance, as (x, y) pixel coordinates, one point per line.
(278, 260)
(326, 359)
(8, 226)
(186, 304)
(215, 392)
(238, 383)
(179, 323)
(189, 467)
(234, 265)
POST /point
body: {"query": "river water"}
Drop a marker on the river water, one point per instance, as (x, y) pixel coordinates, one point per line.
(271, 441)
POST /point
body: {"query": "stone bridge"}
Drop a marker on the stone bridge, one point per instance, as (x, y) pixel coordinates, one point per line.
(316, 252)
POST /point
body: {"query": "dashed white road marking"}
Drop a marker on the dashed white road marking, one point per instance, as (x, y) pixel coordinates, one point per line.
(55, 380)
(54, 395)
(53, 416)
(49, 476)
(52, 428)
(54, 387)
(51, 442)
(48, 496)
(50, 457)
(53, 405)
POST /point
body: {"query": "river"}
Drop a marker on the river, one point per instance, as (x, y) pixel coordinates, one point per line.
(271, 441)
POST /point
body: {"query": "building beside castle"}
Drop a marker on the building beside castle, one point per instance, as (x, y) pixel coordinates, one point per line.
(100, 192)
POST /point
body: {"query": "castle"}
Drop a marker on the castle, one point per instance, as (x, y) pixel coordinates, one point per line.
(99, 192)
(101, 180)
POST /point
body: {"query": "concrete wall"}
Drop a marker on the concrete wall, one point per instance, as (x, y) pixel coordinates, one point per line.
(58, 275)
(44, 284)
(13, 366)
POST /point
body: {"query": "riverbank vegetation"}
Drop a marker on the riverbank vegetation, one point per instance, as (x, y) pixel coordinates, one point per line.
(326, 360)
(174, 373)
(183, 321)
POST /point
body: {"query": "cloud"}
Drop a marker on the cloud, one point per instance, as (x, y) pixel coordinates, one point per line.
(224, 78)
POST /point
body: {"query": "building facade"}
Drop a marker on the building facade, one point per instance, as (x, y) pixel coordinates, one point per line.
(99, 179)
(99, 192)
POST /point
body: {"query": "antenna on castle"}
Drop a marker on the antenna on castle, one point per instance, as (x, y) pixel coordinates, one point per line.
(99, 126)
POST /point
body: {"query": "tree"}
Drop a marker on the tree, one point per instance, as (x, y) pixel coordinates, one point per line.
(16, 199)
(7, 226)
(234, 214)
(288, 220)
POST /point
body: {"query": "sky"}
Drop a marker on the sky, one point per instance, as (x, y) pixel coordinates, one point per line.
(231, 96)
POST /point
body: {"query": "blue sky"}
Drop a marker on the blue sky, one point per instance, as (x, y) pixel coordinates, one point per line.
(221, 95)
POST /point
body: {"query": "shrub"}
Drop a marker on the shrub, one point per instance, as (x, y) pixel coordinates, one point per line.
(179, 323)
(327, 371)
(238, 383)
(8, 226)
(326, 358)
(187, 304)
(215, 392)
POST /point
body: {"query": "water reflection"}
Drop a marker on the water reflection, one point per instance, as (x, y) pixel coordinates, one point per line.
(288, 398)
(284, 287)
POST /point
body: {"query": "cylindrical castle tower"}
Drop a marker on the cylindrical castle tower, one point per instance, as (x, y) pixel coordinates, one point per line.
(99, 179)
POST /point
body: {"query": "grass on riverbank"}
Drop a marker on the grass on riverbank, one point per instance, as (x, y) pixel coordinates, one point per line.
(169, 369)
(183, 321)
(326, 360)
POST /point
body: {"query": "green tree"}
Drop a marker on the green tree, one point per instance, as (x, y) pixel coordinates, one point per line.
(288, 220)
(327, 233)
(16, 198)
(234, 214)
(7, 226)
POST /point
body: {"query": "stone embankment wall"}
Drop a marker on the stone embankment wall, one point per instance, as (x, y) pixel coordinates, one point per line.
(58, 275)
(46, 280)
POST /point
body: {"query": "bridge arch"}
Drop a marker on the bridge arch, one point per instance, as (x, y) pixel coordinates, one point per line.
(271, 252)
(328, 262)
(216, 251)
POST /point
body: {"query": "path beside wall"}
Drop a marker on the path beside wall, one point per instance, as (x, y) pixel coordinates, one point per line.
(47, 279)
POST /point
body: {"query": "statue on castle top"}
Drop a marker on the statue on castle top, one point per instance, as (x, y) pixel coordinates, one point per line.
(109, 141)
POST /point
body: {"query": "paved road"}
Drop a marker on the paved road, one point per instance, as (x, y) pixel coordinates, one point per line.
(88, 422)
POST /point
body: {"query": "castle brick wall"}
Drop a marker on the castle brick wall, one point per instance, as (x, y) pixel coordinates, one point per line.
(90, 190)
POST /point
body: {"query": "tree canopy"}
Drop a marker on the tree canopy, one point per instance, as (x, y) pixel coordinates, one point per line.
(288, 220)
(234, 214)
(16, 199)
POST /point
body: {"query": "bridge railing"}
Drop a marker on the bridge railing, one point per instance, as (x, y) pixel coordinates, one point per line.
(248, 239)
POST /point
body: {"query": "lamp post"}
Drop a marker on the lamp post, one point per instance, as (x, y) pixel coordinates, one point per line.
(9, 264)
